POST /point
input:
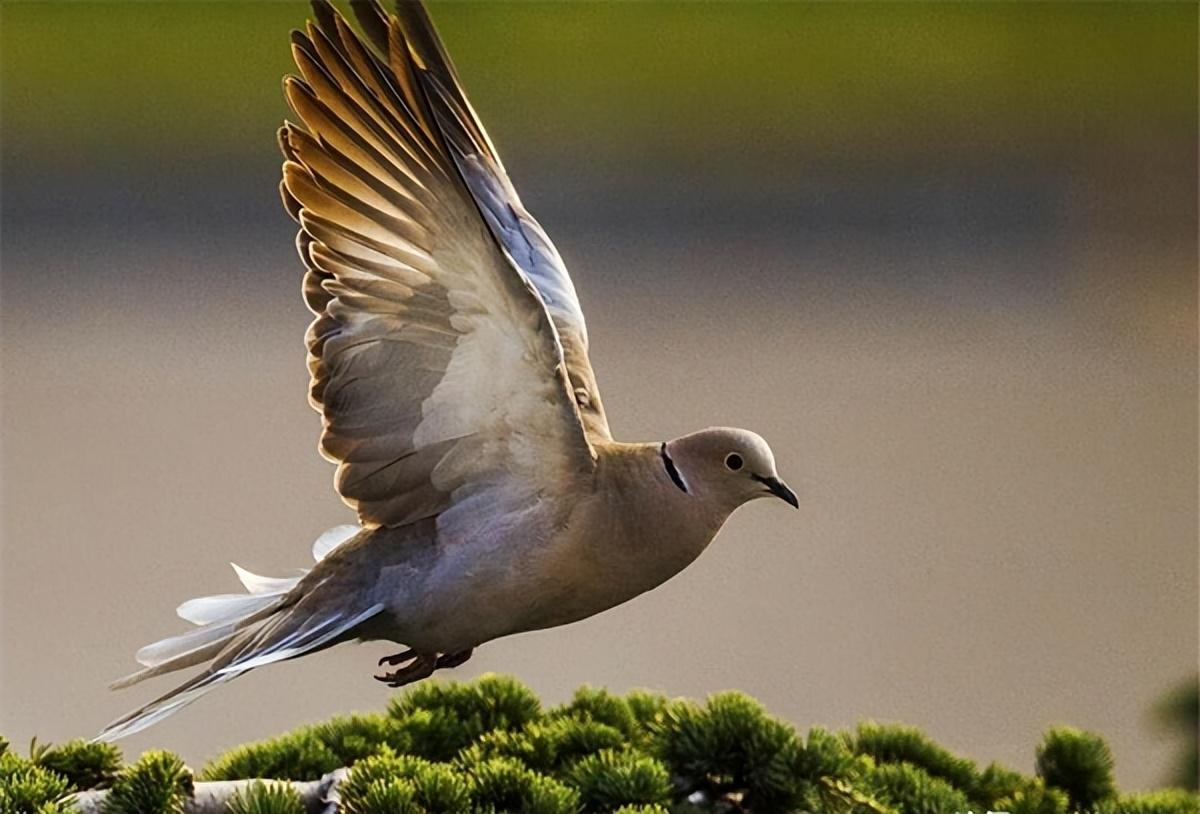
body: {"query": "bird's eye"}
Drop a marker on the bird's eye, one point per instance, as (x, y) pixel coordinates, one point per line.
(733, 461)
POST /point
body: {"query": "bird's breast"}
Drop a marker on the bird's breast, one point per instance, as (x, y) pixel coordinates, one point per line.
(597, 559)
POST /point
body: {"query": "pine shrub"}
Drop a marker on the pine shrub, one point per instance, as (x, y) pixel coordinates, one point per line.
(26, 788)
(488, 747)
(612, 779)
(388, 782)
(85, 765)
(158, 783)
(1080, 763)
(895, 743)
(730, 749)
(266, 798)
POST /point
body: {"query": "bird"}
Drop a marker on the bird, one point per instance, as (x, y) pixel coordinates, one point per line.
(448, 356)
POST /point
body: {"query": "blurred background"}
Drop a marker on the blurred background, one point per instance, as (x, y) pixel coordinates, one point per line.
(942, 256)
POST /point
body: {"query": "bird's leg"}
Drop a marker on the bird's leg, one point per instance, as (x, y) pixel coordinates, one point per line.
(447, 660)
(398, 658)
(422, 666)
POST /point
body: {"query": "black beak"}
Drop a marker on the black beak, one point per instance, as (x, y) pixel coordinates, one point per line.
(780, 489)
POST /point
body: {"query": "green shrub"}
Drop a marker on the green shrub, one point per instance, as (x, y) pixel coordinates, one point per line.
(1080, 763)
(487, 747)
(26, 788)
(730, 748)
(1168, 801)
(295, 756)
(85, 765)
(1034, 797)
(441, 718)
(266, 798)
(895, 743)
(500, 785)
(610, 779)
(388, 782)
(912, 790)
(310, 752)
(158, 783)
(647, 707)
(601, 706)
(546, 746)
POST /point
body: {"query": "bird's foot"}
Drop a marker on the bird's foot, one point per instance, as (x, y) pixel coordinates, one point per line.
(397, 658)
(447, 660)
(421, 666)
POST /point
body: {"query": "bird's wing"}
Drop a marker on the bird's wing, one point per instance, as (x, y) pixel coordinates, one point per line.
(483, 173)
(437, 368)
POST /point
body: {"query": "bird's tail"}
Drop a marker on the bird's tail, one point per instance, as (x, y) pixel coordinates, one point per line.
(237, 633)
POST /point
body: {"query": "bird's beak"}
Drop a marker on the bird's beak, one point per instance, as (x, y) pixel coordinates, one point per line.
(780, 489)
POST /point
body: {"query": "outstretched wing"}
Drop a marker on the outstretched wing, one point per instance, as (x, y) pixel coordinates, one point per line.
(483, 173)
(435, 363)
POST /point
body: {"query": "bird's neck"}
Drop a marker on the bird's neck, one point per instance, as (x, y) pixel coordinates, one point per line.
(640, 488)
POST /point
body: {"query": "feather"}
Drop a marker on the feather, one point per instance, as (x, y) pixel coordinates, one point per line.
(331, 539)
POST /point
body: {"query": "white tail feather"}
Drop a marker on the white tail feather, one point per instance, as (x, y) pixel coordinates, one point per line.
(304, 640)
(173, 647)
(212, 610)
(264, 585)
(227, 619)
(332, 539)
(153, 713)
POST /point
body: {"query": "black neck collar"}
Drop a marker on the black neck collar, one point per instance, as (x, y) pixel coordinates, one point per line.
(669, 465)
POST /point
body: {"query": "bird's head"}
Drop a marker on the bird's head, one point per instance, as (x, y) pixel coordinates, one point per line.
(726, 466)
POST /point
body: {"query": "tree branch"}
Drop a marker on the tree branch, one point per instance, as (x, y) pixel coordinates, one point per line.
(318, 796)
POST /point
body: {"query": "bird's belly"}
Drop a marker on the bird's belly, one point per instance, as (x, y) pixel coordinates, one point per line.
(488, 589)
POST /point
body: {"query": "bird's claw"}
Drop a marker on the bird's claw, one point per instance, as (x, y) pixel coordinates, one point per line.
(422, 665)
(398, 658)
(447, 660)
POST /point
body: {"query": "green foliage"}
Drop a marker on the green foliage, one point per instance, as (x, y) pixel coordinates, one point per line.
(389, 783)
(85, 764)
(1080, 763)
(826, 755)
(1033, 797)
(647, 707)
(440, 718)
(601, 706)
(611, 779)
(912, 790)
(266, 798)
(1178, 712)
(295, 756)
(312, 751)
(894, 743)
(158, 783)
(501, 785)
(1168, 801)
(487, 747)
(832, 795)
(545, 746)
(730, 748)
(26, 788)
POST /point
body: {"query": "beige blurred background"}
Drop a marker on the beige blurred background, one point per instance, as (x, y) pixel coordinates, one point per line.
(942, 257)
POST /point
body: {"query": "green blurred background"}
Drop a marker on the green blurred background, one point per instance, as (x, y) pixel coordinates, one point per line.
(942, 255)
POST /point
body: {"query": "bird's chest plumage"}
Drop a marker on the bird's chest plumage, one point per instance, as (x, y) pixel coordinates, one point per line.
(598, 554)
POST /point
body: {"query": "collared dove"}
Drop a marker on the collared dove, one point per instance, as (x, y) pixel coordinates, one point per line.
(449, 361)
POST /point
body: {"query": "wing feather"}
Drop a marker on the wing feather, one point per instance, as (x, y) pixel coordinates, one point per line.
(435, 360)
(484, 175)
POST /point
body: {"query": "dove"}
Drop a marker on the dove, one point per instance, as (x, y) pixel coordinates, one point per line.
(449, 362)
